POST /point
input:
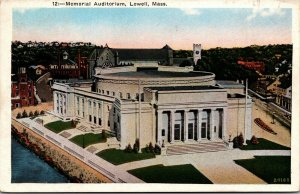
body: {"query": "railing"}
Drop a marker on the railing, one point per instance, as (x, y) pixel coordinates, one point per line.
(110, 171)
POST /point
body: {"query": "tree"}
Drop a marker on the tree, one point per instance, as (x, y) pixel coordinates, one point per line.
(254, 140)
(19, 115)
(136, 146)
(30, 114)
(104, 135)
(128, 149)
(151, 148)
(36, 113)
(241, 140)
(24, 114)
(157, 149)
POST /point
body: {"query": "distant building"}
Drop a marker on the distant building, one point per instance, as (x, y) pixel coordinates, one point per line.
(111, 57)
(253, 65)
(65, 68)
(284, 98)
(22, 90)
(38, 69)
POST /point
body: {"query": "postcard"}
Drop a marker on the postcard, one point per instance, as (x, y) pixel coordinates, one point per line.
(149, 96)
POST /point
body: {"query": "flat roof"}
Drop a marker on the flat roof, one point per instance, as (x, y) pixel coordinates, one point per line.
(157, 74)
(171, 88)
(229, 84)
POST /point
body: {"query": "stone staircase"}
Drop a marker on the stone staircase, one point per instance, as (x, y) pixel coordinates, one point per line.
(196, 148)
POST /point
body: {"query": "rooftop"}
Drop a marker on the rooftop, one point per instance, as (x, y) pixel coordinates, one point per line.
(171, 88)
(158, 74)
(228, 84)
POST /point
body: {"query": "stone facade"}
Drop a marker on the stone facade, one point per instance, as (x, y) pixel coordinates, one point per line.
(163, 105)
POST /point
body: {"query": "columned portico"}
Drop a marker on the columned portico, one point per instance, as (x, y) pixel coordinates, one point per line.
(191, 125)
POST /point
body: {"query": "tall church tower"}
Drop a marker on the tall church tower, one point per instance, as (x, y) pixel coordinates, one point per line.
(196, 52)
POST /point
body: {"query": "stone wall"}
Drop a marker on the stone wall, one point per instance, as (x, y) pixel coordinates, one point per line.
(63, 161)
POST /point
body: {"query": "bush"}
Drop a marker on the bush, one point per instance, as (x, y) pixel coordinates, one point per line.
(254, 140)
(128, 149)
(151, 148)
(42, 112)
(136, 146)
(36, 113)
(241, 140)
(235, 142)
(104, 135)
(157, 149)
(24, 114)
(147, 150)
(30, 114)
(19, 115)
(73, 123)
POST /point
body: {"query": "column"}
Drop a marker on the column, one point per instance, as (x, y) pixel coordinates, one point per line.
(172, 122)
(212, 124)
(55, 102)
(199, 121)
(86, 108)
(224, 124)
(185, 129)
(159, 126)
(59, 103)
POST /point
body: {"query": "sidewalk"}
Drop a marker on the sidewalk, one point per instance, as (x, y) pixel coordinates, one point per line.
(219, 167)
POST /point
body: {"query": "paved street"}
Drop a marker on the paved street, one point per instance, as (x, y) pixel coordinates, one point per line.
(283, 136)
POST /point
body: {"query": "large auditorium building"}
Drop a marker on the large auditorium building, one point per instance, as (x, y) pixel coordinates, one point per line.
(164, 105)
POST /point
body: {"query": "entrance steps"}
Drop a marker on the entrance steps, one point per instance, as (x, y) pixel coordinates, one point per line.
(196, 148)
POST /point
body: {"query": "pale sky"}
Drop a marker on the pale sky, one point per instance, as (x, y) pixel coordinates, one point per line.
(153, 28)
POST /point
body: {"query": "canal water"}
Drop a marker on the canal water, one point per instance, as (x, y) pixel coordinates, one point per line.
(29, 168)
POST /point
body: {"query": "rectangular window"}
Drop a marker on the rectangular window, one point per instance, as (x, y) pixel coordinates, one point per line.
(107, 92)
(90, 118)
(203, 130)
(128, 95)
(95, 120)
(177, 132)
(121, 95)
(99, 121)
(113, 93)
(190, 130)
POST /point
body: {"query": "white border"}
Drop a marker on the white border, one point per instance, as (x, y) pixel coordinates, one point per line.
(5, 142)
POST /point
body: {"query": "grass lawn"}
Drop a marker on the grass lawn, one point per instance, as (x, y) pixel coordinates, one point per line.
(88, 139)
(117, 157)
(264, 145)
(58, 126)
(272, 169)
(170, 174)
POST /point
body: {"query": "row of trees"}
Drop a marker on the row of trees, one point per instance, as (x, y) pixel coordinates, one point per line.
(148, 149)
(24, 114)
(223, 61)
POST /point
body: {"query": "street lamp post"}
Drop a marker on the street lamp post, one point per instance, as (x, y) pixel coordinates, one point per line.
(273, 118)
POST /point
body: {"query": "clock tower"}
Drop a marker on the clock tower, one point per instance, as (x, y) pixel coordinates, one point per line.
(196, 52)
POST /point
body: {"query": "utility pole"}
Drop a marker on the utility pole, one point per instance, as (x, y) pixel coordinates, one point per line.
(245, 121)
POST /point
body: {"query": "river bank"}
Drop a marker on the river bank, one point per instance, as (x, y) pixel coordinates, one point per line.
(65, 163)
